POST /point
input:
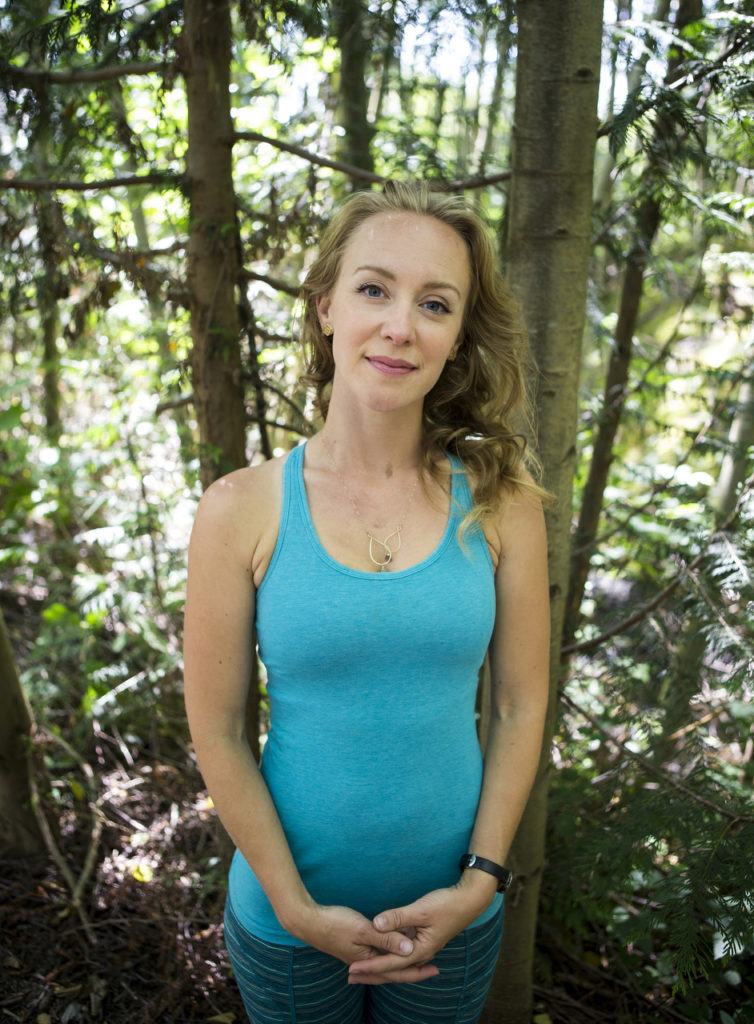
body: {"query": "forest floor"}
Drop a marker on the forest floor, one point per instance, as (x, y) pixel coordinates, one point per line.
(152, 950)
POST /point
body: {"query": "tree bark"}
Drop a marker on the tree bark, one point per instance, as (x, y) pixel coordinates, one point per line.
(213, 259)
(20, 837)
(549, 239)
(353, 95)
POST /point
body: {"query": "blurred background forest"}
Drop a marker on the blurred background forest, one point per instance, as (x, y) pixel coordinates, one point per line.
(165, 171)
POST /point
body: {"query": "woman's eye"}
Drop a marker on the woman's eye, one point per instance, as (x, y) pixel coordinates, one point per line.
(430, 302)
(364, 288)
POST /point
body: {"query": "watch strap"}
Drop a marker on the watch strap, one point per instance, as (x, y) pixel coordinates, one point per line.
(503, 875)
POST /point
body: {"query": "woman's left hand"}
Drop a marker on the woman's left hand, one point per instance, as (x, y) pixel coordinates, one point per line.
(431, 922)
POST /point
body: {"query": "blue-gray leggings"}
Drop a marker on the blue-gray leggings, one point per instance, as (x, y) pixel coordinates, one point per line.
(282, 984)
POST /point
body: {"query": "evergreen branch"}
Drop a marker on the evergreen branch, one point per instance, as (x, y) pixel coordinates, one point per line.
(104, 73)
(644, 610)
(654, 770)
(553, 938)
(727, 628)
(686, 78)
(662, 486)
(166, 178)
(358, 172)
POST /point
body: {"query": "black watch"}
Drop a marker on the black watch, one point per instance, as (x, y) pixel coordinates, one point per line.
(504, 876)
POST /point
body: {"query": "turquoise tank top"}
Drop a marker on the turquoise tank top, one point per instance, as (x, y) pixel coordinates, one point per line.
(372, 758)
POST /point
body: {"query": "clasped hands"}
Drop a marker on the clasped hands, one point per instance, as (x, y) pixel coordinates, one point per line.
(430, 923)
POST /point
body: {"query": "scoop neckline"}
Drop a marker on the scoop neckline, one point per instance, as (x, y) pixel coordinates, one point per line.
(325, 555)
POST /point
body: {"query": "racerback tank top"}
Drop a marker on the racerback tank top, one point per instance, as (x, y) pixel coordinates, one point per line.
(372, 757)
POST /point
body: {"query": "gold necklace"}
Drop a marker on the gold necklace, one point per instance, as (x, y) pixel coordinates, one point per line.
(372, 539)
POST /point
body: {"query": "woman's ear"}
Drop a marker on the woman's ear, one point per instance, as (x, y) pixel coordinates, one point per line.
(322, 303)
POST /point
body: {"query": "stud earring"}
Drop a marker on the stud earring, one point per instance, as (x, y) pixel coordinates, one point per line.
(327, 329)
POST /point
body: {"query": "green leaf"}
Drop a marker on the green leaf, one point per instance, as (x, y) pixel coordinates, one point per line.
(10, 418)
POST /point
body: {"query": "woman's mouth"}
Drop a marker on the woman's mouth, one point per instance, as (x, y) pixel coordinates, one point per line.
(388, 370)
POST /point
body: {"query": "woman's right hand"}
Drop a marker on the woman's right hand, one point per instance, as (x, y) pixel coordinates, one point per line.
(348, 935)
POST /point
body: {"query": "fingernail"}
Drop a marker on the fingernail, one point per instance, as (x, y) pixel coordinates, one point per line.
(406, 946)
(379, 922)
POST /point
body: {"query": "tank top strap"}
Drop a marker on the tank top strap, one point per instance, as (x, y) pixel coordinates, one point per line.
(289, 531)
(460, 488)
(293, 473)
(465, 499)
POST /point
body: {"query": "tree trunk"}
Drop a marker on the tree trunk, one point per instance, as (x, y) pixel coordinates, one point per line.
(733, 468)
(441, 89)
(49, 229)
(475, 113)
(648, 218)
(549, 239)
(213, 259)
(355, 145)
(388, 56)
(20, 837)
(502, 46)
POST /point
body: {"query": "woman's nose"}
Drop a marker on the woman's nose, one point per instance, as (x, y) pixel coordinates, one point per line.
(398, 324)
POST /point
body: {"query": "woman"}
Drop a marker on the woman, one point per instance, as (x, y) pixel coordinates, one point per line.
(377, 583)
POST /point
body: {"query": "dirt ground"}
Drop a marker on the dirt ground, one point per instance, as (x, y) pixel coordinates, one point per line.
(152, 949)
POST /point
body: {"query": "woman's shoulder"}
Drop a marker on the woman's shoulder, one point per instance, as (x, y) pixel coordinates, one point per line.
(231, 493)
(241, 504)
(518, 508)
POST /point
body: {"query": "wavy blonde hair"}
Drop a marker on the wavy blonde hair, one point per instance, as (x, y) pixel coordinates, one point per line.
(479, 395)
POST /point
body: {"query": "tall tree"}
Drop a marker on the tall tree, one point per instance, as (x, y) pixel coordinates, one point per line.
(349, 18)
(213, 259)
(549, 242)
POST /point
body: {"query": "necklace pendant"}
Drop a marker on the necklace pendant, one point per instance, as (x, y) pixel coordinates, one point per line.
(383, 544)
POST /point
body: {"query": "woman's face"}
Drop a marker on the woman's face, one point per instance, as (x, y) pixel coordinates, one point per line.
(400, 294)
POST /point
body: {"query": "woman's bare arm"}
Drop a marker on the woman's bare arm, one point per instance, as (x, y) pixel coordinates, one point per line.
(519, 692)
(218, 619)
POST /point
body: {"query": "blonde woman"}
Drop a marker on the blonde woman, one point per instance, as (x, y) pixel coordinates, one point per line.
(379, 561)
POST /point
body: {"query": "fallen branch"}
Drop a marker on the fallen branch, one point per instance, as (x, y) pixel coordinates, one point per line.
(76, 886)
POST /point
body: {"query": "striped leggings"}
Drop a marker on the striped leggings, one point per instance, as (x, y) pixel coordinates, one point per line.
(282, 984)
